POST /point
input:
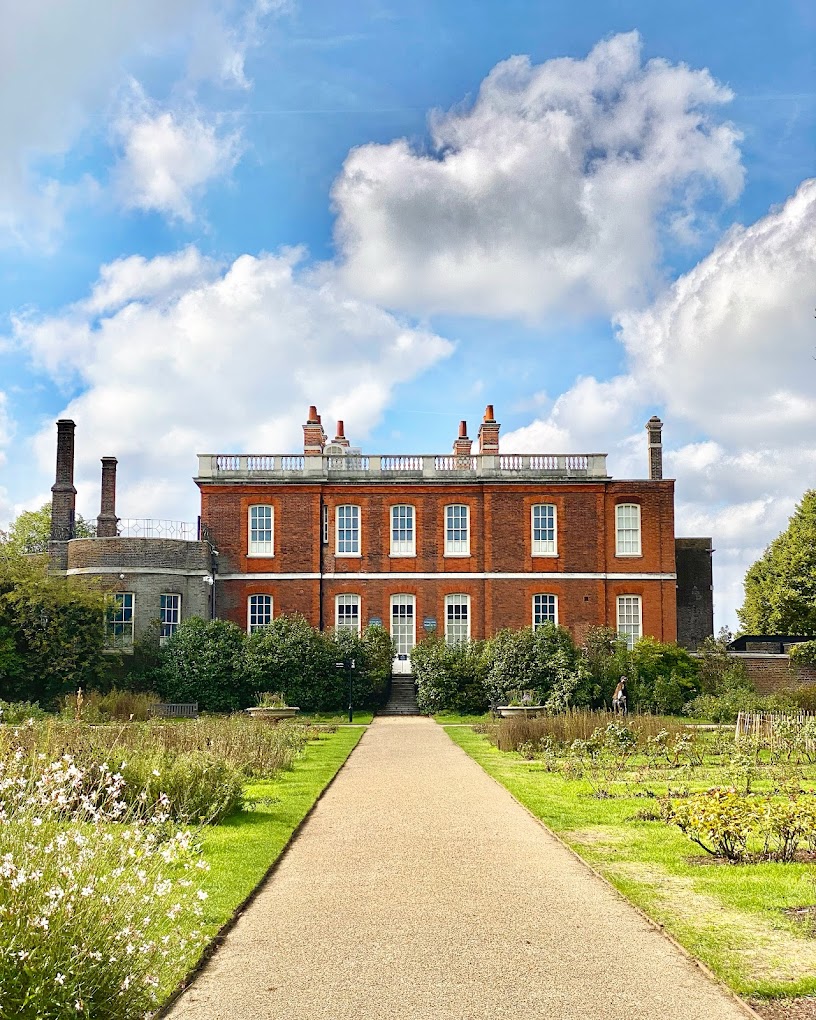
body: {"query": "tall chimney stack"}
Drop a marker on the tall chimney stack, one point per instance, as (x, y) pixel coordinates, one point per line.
(107, 520)
(489, 434)
(63, 493)
(654, 427)
(63, 498)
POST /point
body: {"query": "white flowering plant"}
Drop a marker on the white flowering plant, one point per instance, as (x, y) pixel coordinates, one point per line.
(99, 905)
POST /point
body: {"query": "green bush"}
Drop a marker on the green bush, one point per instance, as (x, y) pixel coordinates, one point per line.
(450, 677)
(294, 658)
(804, 653)
(16, 712)
(663, 677)
(545, 661)
(203, 661)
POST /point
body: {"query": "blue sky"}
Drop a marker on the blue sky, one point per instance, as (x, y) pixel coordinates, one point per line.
(215, 213)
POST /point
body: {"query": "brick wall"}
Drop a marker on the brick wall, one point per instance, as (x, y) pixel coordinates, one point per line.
(772, 673)
(152, 567)
(500, 541)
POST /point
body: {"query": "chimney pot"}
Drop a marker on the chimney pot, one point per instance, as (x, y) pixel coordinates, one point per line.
(488, 415)
(489, 434)
(654, 428)
(463, 430)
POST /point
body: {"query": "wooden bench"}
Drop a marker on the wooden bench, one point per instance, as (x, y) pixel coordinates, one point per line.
(165, 710)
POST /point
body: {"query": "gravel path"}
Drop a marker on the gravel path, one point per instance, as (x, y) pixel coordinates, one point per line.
(419, 889)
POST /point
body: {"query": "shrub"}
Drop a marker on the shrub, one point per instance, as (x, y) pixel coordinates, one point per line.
(16, 712)
(544, 660)
(719, 820)
(450, 677)
(91, 916)
(203, 661)
(733, 826)
(663, 677)
(804, 653)
(294, 658)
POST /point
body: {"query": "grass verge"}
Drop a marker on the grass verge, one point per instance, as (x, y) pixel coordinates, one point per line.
(242, 849)
(457, 719)
(361, 718)
(731, 917)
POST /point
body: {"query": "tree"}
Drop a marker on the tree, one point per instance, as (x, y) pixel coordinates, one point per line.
(780, 587)
(52, 636)
(31, 531)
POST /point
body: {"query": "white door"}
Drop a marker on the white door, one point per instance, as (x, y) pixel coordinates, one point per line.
(403, 631)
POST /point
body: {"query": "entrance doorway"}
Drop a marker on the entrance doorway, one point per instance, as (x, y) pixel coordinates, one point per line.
(403, 631)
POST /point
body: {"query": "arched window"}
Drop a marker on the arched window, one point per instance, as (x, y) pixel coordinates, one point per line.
(259, 612)
(545, 610)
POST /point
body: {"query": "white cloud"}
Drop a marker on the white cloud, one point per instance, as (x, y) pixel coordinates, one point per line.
(177, 357)
(89, 49)
(727, 356)
(553, 190)
(169, 156)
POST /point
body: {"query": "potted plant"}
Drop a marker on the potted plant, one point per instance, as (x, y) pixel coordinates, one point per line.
(520, 703)
(272, 706)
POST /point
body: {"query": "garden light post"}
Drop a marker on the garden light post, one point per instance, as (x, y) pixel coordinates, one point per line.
(349, 665)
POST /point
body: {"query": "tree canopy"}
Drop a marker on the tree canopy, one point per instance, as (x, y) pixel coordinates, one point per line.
(780, 587)
(31, 531)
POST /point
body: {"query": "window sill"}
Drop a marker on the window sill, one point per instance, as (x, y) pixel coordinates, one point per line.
(402, 556)
(456, 556)
(546, 556)
(349, 556)
(628, 556)
(260, 556)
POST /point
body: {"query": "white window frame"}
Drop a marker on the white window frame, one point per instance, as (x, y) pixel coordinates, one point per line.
(252, 610)
(629, 623)
(122, 638)
(345, 601)
(169, 615)
(544, 547)
(261, 546)
(403, 600)
(354, 529)
(324, 524)
(545, 595)
(624, 545)
(457, 546)
(402, 520)
(451, 603)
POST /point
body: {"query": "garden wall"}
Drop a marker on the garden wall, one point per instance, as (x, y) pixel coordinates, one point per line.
(771, 673)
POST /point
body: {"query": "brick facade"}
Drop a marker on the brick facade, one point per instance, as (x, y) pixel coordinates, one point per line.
(304, 574)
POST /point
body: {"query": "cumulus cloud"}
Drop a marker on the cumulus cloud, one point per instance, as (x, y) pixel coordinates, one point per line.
(726, 355)
(554, 190)
(177, 356)
(169, 156)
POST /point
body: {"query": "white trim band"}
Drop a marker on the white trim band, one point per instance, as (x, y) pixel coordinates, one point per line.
(446, 575)
(180, 571)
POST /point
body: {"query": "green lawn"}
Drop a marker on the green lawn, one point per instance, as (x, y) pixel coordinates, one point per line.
(243, 848)
(455, 719)
(729, 916)
(361, 718)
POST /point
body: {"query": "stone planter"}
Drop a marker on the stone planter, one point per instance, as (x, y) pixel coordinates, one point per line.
(519, 711)
(267, 712)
